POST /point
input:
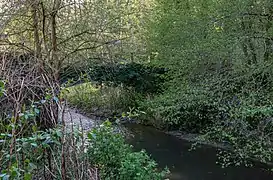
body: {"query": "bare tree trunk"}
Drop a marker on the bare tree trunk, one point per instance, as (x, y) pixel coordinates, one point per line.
(54, 56)
(37, 43)
(45, 31)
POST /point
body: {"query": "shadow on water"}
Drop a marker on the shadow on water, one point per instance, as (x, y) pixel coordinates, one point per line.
(200, 164)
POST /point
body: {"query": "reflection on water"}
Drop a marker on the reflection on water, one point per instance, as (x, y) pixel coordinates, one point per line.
(200, 164)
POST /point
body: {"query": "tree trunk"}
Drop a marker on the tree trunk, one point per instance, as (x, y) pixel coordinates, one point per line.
(56, 62)
(37, 44)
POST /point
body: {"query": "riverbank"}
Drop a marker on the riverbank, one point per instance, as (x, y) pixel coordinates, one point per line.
(89, 120)
(173, 152)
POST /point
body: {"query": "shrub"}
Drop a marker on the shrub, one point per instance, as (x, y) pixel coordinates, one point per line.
(46, 154)
(28, 158)
(187, 108)
(116, 160)
(143, 78)
(139, 166)
(234, 107)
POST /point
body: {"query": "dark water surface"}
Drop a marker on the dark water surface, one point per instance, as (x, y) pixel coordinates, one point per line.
(200, 164)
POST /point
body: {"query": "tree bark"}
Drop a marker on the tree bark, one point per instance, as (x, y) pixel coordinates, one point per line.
(37, 43)
(56, 62)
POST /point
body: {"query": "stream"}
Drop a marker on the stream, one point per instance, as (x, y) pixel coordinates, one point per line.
(199, 164)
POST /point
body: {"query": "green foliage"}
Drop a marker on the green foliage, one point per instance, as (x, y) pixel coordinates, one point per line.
(220, 72)
(143, 78)
(116, 160)
(107, 148)
(101, 100)
(230, 108)
(139, 166)
(29, 154)
(189, 109)
(2, 88)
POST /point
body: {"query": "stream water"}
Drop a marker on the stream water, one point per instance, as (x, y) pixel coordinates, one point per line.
(199, 164)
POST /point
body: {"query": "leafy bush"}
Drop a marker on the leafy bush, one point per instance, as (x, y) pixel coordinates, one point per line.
(244, 120)
(139, 166)
(143, 78)
(234, 108)
(28, 159)
(185, 108)
(116, 160)
(54, 153)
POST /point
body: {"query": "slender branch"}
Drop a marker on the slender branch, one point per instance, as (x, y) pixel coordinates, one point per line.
(74, 36)
(78, 49)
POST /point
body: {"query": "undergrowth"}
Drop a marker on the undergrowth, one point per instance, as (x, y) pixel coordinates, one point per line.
(117, 160)
(68, 153)
(101, 100)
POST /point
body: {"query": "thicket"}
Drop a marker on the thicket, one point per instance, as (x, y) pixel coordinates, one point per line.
(67, 152)
(145, 79)
(219, 56)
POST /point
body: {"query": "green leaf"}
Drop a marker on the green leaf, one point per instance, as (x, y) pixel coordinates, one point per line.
(27, 176)
(34, 144)
(37, 111)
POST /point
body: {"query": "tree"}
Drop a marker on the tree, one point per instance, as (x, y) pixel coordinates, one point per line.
(220, 60)
(59, 33)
